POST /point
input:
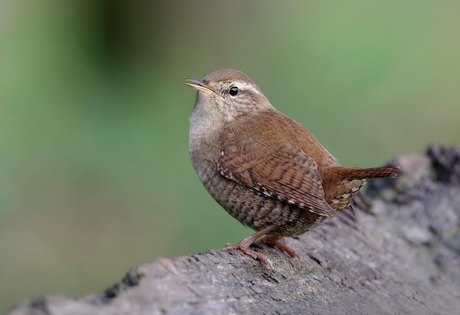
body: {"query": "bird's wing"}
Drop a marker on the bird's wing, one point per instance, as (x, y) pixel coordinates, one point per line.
(283, 171)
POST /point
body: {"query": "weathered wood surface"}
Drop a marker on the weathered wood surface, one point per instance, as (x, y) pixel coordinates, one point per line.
(399, 254)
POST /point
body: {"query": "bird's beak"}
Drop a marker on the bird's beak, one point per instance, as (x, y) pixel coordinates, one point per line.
(199, 85)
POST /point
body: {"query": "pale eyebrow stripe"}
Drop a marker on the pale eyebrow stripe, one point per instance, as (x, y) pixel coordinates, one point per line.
(249, 87)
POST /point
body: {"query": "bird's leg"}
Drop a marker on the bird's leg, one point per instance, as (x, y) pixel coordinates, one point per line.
(244, 247)
(275, 241)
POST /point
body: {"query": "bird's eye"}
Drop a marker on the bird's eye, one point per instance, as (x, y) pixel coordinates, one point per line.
(233, 91)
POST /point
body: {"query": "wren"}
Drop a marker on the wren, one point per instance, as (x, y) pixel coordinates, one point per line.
(264, 168)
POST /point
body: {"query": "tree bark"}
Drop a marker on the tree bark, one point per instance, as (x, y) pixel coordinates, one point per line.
(399, 253)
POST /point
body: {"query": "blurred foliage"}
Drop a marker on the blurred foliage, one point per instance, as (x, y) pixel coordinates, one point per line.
(94, 170)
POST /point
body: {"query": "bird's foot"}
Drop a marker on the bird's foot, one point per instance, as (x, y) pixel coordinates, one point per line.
(275, 241)
(243, 246)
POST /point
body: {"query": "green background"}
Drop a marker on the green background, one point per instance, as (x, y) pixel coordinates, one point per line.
(95, 176)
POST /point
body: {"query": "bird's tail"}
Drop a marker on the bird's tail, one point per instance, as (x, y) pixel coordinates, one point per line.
(341, 184)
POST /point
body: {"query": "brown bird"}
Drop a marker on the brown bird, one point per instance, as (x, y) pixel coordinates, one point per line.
(265, 169)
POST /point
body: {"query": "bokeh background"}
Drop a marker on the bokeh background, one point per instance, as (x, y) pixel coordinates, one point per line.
(95, 176)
